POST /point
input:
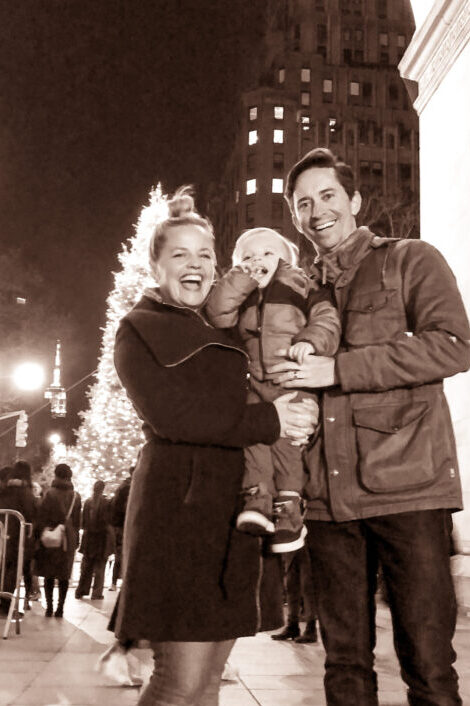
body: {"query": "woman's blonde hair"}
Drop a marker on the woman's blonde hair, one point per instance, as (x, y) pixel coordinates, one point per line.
(291, 248)
(181, 212)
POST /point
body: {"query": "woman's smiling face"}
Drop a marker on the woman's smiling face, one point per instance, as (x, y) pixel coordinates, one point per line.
(186, 266)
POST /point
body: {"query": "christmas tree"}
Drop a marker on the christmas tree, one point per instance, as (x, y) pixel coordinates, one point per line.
(110, 435)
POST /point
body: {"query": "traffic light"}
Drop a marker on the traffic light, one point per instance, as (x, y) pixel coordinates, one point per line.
(21, 429)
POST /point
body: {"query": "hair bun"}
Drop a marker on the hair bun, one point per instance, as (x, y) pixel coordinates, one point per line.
(182, 203)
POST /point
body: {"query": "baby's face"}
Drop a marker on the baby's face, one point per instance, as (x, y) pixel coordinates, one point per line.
(261, 253)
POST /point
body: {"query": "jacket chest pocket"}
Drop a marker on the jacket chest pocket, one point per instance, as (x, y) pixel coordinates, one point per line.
(373, 317)
(395, 446)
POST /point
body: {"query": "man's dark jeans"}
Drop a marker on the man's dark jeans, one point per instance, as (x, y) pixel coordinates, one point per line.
(413, 550)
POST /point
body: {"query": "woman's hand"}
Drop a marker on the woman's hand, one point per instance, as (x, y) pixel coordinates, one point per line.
(315, 371)
(297, 419)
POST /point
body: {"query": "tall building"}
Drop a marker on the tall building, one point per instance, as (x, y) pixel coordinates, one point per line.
(326, 76)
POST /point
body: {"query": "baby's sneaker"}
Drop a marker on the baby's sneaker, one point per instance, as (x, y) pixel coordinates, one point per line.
(255, 517)
(289, 529)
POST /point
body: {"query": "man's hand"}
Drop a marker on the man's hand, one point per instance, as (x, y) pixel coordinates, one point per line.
(300, 350)
(315, 371)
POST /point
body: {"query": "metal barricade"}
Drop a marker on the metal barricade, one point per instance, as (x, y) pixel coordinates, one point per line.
(7, 517)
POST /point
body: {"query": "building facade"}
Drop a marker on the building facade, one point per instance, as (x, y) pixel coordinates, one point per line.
(326, 76)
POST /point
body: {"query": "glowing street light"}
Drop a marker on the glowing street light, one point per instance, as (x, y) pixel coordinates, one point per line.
(55, 438)
(28, 376)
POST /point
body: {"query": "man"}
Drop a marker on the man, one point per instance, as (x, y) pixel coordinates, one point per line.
(383, 470)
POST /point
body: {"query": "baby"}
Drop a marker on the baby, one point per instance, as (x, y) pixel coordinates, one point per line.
(276, 306)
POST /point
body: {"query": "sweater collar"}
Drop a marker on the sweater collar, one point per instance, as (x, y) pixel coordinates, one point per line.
(347, 255)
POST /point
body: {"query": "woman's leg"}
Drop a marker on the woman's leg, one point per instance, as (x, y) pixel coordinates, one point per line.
(210, 696)
(63, 588)
(48, 591)
(186, 673)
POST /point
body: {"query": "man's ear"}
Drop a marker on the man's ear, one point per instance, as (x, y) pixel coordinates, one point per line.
(295, 221)
(356, 203)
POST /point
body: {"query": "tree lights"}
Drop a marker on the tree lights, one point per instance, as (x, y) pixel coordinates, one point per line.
(110, 435)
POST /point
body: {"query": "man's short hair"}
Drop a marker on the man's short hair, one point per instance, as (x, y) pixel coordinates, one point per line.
(325, 159)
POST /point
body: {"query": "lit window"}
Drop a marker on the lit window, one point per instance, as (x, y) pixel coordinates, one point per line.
(252, 137)
(354, 88)
(278, 136)
(383, 39)
(282, 75)
(401, 40)
(279, 112)
(305, 98)
(305, 122)
(332, 124)
(327, 85)
(250, 187)
(305, 75)
(253, 113)
(278, 186)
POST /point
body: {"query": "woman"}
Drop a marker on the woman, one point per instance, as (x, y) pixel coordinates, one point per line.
(59, 501)
(95, 545)
(192, 582)
(17, 495)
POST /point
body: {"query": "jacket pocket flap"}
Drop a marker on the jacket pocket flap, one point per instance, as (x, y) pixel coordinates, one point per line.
(389, 419)
(370, 301)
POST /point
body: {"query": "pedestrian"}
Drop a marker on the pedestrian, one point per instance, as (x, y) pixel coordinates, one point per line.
(274, 304)
(300, 595)
(61, 504)
(118, 516)
(35, 592)
(95, 545)
(192, 583)
(383, 475)
(17, 495)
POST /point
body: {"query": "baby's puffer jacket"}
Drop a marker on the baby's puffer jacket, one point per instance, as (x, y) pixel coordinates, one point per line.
(291, 308)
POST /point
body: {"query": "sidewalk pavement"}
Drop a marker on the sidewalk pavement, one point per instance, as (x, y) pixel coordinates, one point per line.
(52, 663)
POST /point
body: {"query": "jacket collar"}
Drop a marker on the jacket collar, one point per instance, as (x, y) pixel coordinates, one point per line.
(174, 333)
(346, 256)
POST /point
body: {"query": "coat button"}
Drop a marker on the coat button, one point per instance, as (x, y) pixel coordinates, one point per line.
(395, 427)
(452, 472)
(334, 472)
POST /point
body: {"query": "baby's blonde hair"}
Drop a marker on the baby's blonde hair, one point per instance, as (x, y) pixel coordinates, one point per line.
(291, 248)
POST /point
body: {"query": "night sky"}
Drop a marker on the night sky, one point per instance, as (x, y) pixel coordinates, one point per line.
(100, 100)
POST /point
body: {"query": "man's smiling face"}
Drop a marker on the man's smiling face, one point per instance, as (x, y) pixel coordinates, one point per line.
(323, 211)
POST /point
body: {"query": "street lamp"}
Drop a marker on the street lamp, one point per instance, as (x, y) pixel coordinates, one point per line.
(28, 376)
(55, 438)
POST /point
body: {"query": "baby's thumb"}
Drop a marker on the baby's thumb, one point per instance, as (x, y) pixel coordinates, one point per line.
(288, 397)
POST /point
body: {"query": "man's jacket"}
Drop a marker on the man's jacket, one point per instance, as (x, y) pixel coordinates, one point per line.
(387, 444)
(291, 308)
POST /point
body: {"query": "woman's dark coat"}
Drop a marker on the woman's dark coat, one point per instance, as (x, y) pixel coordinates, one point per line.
(55, 562)
(189, 574)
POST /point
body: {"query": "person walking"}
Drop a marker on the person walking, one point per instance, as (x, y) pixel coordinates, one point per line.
(383, 473)
(59, 501)
(192, 583)
(95, 544)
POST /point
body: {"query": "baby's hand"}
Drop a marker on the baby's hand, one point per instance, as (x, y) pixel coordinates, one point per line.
(255, 271)
(299, 351)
